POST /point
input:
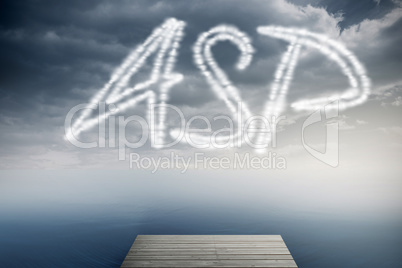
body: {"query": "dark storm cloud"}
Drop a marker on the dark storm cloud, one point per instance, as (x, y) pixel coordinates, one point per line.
(57, 54)
(53, 51)
(353, 12)
(59, 48)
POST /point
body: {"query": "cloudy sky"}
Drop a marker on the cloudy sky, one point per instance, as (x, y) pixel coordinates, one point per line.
(57, 54)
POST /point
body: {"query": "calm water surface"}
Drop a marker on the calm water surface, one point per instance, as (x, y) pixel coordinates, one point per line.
(91, 218)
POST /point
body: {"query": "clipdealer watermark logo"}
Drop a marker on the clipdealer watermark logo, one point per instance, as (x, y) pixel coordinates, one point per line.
(212, 140)
(257, 131)
(202, 161)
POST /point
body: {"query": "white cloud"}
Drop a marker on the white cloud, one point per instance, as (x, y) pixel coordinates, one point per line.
(361, 122)
(8, 120)
(391, 130)
(345, 126)
(341, 120)
(367, 33)
(398, 101)
(388, 95)
(51, 36)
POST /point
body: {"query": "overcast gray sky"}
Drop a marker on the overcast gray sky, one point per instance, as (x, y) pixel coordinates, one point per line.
(57, 54)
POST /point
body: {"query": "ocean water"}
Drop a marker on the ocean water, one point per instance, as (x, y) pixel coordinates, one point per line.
(91, 218)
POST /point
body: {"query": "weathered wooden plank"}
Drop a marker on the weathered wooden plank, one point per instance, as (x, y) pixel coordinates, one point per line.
(199, 251)
(141, 244)
(200, 246)
(212, 257)
(236, 238)
(209, 251)
(219, 263)
(200, 242)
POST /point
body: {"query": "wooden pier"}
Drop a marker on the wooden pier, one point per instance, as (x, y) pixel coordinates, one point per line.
(209, 251)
